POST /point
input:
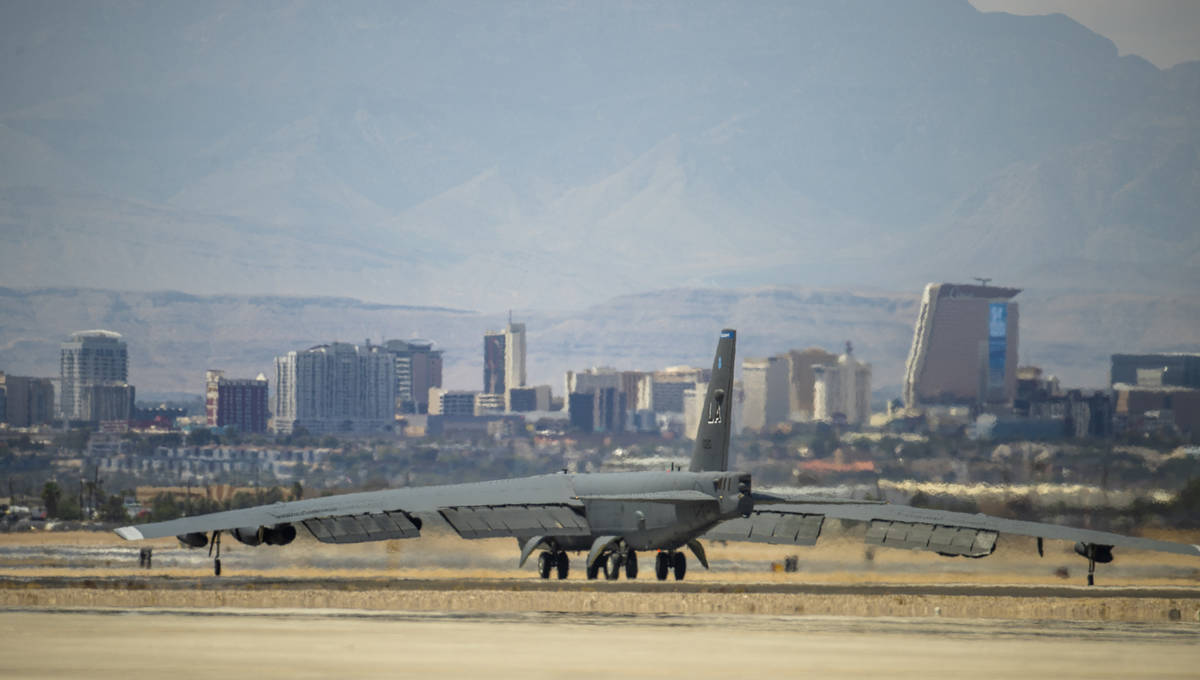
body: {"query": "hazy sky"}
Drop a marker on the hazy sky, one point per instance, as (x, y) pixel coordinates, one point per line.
(1164, 32)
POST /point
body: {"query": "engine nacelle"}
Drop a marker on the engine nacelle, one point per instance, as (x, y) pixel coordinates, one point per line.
(1101, 553)
(196, 539)
(280, 534)
(247, 535)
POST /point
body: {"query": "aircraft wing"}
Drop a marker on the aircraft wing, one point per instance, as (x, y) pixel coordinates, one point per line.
(901, 526)
(519, 507)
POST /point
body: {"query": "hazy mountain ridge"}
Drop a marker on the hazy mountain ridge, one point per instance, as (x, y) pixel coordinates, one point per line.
(174, 337)
(486, 155)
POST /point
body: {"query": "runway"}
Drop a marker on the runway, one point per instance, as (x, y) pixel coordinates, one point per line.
(341, 643)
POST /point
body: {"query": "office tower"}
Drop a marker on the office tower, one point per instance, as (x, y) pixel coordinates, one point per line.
(1173, 369)
(964, 348)
(418, 367)
(25, 402)
(338, 387)
(600, 410)
(842, 390)
(493, 362)
(239, 403)
(524, 399)
(801, 380)
(514, 355)
(666, 387)
(89, 358)
(765, 382)
(108, 401)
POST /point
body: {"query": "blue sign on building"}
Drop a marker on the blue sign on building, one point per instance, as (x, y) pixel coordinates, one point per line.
(997, 343)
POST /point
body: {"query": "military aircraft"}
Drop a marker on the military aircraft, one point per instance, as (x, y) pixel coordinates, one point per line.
(614, 516)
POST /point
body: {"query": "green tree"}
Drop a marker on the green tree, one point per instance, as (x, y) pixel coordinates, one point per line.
(51, 498)
(113, 509)
(164, 507)
(297, 490)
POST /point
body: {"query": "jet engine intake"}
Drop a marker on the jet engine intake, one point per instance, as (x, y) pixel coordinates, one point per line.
(1102, 554)
(196, 539)
(280, 534)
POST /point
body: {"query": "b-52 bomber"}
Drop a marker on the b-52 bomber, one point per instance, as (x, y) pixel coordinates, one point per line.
(614, 516)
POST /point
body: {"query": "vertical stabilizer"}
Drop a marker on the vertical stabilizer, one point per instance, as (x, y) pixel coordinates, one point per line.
(716, 418)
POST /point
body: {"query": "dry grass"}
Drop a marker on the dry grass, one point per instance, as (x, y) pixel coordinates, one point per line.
(837, 558)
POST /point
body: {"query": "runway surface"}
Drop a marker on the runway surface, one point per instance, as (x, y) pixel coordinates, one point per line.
(531, 584)
(333, 643)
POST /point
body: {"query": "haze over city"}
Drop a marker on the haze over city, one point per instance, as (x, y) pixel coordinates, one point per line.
(599, 169)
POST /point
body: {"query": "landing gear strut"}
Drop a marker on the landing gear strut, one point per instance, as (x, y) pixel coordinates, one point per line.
(215, 544)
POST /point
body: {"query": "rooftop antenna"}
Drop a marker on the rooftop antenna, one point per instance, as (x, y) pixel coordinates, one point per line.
(982, 281)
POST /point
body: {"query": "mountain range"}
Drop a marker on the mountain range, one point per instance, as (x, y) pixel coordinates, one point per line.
(476, 155)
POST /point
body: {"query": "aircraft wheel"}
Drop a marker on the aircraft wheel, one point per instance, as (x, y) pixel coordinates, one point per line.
(217, 567)
(613, 570)
(562, 565)
(661, 566)
(680, 566)
(593, 570)
(544, 564)
(631, 565)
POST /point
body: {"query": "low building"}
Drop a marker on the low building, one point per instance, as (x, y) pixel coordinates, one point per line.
(237, 403)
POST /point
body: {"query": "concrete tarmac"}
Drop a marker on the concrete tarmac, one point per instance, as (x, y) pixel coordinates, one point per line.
(333, 643)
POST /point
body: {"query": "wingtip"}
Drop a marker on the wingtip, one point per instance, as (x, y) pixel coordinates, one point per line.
(129, 533)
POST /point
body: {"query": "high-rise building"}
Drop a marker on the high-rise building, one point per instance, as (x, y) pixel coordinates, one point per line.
(25, 402)
(109, 401)
(842, 390)
(514, 357)
(765, 382)
(89, 358)
(600, 410)
(238, 403)
(801, 380)
(418, 367)
(666, 387)
(493, 362)
(964, 348)
(1173, 369)
(335, 388)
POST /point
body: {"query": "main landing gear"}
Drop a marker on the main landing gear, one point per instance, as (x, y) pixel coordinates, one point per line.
(558, 562)
(612, 564)
(665, 562)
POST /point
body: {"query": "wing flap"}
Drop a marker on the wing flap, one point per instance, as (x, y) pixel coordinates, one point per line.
(361, 528)
(960, 533)
(770, 527)
(494, 521)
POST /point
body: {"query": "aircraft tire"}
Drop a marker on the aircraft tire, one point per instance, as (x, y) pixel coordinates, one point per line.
(680, 565)
(544, 564)
(613, 569)
(593, 570)
(562, 565)
(631, 565)
(661, 566)
(217, 567)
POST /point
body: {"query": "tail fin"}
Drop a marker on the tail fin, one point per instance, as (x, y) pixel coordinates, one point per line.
(712, 437)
